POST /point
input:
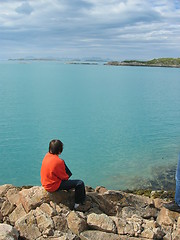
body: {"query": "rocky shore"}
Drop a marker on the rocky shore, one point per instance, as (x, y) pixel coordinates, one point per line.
(33, 213)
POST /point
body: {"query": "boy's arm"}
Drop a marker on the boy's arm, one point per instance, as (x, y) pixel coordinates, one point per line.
(69, 173)
(61, 171)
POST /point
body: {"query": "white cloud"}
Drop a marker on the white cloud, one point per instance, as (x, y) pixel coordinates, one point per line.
(44, 26)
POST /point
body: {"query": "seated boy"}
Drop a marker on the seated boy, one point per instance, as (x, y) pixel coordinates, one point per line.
(55, 174)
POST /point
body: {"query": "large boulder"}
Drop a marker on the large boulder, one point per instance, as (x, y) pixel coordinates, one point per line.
(44, 222)
(27, 226)
(101, 222)
(129, 226)
(35, 196)
(167, 218)
(145, 212)
(104, 205)
(76, 222)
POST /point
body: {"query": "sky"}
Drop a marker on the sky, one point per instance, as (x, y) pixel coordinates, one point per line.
(105, 29)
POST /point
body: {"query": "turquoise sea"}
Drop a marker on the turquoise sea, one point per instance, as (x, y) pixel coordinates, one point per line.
(118, 124)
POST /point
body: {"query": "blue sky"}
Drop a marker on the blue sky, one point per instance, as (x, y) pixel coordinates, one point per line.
(114, 29)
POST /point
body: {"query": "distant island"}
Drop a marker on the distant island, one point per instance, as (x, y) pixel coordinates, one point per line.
(159, 62)
(92, 61)
(33, 59)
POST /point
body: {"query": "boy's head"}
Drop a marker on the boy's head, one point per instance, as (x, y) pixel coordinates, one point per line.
(55, 147)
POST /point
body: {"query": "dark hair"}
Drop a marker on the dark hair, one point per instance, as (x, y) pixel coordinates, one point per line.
(55, 146)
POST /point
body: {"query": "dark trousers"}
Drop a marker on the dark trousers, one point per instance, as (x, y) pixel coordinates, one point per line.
(80, 193)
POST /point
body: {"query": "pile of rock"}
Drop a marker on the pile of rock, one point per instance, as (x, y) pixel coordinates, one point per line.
(33, 213)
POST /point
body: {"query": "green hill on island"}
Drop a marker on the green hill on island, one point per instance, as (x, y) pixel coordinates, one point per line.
(159, 62)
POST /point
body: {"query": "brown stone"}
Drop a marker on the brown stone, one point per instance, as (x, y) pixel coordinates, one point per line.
(1, 217)
(139, 201)
(149, 212)
(149, 224)
(59, 208)
(116, 197)
(101, 222)
(17, 213)
(176, 235)
(167, 236)
(46, 208)
(98, 235)
(4, 188)
(60, 223)
(76, 222)
(1, 201)
(89, 189)
(158, 203)
(63, 197)
(94, 209)
(7, 208)
(63, 236)
(27, 226)
(166, 217)
(44, 221)
(104, 205)
(130, 226)
(146, 212)
(148, 233)
(33, 197)
(8, 232)
(159, 234)
(120, 224)
(100, 189)
(178, 222)
(13, 196)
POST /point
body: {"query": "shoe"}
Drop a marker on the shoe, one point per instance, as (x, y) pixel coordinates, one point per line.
(172, 206)
(83, 207)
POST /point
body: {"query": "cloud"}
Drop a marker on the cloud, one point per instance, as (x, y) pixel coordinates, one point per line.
(24, 8)
(90, 27)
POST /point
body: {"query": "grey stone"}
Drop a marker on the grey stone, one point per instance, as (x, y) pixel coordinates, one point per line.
(7, 232)
(101, 222)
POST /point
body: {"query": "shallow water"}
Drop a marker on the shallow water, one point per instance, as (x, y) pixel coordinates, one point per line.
(117, 123)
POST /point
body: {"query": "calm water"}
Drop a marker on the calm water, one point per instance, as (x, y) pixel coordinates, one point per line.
(117, 123)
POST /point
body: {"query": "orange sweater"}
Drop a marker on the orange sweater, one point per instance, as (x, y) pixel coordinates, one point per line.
(52, 172)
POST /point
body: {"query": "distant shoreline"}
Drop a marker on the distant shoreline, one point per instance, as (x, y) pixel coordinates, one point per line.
(142, 65)
(159, 62)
